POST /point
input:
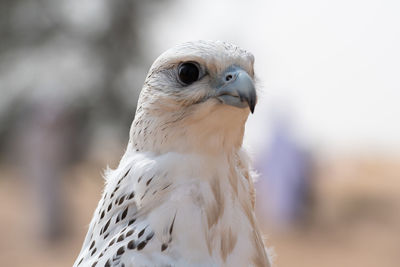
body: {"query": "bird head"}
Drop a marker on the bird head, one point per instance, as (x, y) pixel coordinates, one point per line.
(201, 92)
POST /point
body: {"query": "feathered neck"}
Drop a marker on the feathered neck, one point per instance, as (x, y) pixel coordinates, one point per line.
(209, 128)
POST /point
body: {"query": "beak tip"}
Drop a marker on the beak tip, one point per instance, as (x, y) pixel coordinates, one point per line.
(252, 104)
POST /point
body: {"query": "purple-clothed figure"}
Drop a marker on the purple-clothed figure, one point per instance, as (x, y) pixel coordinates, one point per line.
(283, 186)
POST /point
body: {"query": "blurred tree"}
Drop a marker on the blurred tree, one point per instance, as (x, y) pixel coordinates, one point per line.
(65, 70)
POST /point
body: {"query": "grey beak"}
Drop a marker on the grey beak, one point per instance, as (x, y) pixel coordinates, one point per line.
(237, 89)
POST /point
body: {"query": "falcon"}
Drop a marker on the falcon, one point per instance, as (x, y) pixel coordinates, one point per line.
(183, 194)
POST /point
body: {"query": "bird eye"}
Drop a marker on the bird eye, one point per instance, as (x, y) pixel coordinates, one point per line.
(188, 73)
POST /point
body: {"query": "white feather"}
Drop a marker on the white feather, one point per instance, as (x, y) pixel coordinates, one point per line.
(182, 194)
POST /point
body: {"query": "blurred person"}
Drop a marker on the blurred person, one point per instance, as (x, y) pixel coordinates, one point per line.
(46, 145)
(284, 183)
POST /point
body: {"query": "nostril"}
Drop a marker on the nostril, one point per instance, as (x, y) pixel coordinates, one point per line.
(228, 77)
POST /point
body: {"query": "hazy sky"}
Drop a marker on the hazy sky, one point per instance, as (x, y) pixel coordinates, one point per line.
(332, 66)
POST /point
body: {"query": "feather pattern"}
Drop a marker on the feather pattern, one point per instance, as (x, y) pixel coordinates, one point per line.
(182, 194)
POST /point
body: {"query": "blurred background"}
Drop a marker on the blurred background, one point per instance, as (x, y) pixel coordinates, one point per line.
(325, 136)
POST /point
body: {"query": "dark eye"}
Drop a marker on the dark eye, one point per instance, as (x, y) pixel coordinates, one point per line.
(188, 73)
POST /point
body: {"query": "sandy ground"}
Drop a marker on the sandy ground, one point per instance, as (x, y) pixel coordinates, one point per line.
(342, 232)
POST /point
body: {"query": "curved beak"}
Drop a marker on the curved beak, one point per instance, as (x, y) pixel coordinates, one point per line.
(237, 89)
